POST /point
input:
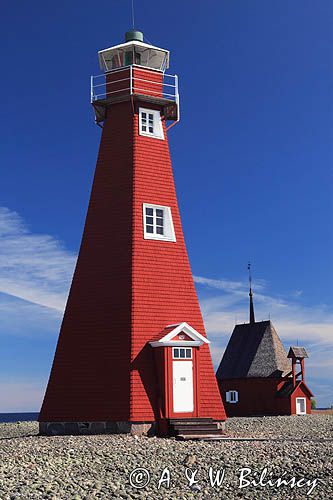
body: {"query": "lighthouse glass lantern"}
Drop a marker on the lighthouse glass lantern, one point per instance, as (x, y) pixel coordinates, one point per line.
(137, 69)
(132, 354)
(133, 51)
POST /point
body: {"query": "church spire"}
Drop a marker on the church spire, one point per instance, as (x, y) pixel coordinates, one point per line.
(252, 319)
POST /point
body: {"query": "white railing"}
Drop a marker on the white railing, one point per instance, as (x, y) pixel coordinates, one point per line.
(100, 89)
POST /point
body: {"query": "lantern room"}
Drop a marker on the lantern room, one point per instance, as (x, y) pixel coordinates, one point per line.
(135, 71)
(133, 51)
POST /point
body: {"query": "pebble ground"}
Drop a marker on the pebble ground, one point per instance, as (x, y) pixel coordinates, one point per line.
(99, 467)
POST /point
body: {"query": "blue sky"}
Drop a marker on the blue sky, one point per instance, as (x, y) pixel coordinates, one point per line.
(252, 157)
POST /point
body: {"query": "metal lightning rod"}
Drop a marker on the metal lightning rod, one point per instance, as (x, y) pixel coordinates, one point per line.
(133, 15)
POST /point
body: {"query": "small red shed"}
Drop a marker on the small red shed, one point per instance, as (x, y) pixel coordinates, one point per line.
(257, 377)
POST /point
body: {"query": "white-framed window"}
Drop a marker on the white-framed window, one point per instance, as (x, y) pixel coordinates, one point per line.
(231, 396)
(300, 406)
(157, 223)
(150, 123)
(182, 353)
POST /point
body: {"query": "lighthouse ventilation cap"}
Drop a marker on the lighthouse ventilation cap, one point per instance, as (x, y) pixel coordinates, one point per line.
(134, 36)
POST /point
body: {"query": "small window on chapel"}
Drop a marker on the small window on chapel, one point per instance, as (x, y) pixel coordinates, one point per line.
(232, 396)
(150, 123)
(157, 221)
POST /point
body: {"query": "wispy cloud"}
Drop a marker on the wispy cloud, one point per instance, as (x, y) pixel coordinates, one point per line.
(26, 319)
(33, 267)
(236, 287)
(294, 320)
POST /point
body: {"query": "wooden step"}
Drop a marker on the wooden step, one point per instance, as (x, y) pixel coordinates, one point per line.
(204, 437)
(190, 421)
(199, 431)
(195, 428)
(192, 427)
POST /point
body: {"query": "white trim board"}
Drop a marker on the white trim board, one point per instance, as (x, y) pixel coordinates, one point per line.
(197, 338)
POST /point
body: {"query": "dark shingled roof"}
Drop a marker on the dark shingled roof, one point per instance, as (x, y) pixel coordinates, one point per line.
(254, 350)
(288, 388)
(297, 352)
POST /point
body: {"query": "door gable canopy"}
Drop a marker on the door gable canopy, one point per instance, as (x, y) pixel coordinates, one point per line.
(179, 334)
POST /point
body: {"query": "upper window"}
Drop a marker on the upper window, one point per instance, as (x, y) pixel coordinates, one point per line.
(157, 222)
(150, 123)
(232, 396)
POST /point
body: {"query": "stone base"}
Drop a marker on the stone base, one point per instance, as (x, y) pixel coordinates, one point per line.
(77, 428)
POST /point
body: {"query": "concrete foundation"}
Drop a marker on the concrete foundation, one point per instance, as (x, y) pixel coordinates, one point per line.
(78, 428)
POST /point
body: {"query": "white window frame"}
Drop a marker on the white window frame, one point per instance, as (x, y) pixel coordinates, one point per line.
(178, 350)
(169, 231)
(302, 412)
(231, 399)
(157, 124)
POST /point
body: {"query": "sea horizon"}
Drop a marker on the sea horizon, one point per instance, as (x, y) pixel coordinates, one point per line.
(11, 417)
(8, 417)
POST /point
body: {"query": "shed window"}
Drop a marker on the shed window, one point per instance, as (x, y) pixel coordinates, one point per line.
(232, 396)
(150, 123)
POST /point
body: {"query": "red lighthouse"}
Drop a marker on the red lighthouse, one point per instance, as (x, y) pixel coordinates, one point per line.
(132, 354)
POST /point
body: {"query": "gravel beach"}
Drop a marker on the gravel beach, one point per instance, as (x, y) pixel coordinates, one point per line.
(89, 467)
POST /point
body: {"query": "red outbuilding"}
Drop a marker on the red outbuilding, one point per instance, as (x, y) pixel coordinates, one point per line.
(257, 377)
(132, 354)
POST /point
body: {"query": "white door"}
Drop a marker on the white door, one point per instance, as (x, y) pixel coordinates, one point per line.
(182, 386)
(300, 406)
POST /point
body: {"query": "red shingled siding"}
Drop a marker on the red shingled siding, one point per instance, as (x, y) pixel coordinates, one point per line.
(125, 290)
(163, 288)
(143, 82)
(147, 82)
(117, 84)
(90, 375)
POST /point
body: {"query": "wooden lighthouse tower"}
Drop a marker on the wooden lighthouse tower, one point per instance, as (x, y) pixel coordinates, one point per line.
(132, 354)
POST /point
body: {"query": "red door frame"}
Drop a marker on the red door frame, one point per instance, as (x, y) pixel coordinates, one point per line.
(168, 381)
